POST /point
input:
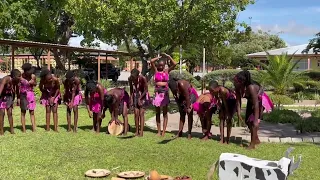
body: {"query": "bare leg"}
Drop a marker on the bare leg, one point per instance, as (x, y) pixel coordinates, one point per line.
(33, 120)
(257, 139)
(208, 121)
(55, 117)
(2, 113)
(190, 123)
(158, 120)
(23, 120)
(136, 120)
(141, 121)
(165, 119)
(69, 119)
(181, 123)
(94, 120)
(10, 118)
(229, 127)
(76, 116)
(48, 112)
(253, 137)
(221, 125)
(98, 122)
(125, 118)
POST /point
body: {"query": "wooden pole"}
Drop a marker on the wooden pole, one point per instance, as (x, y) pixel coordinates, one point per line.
(48, 59)
(99, 67)
(12, 57)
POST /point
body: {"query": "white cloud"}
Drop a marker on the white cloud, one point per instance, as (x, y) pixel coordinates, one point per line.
(290, 28)
(76, 43)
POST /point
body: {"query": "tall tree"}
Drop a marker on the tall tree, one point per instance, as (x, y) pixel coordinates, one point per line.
(164, 24)
(39, 20)
(248, 42)
(314, 44)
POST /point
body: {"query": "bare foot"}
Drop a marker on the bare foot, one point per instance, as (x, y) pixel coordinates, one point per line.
(12, 132)
(69, 130)
(258, 141)
(205, 138)
(56, 131)
(221, 141)
(47, 130)
(251, 147)
(136, 134)
(189, 136)
(163, 134)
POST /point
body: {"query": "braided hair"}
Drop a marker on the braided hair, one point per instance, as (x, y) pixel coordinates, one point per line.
(244, 77)
(44, 72)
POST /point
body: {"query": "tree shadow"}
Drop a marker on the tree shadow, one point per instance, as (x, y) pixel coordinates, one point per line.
(126, 137)
(85, 128)
(28, 127)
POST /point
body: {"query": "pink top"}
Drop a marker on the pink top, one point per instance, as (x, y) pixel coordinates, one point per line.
(25, 86)
(161, 76)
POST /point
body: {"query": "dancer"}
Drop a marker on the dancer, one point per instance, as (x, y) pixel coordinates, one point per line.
(205, 106)
(253, 92)
(139, 99)
(26, 98)
(226, 101)
(72, 98)
(117, 100)
(51, 97)
(185, 95)
(161, 78)
(94, 95)
(8, 89)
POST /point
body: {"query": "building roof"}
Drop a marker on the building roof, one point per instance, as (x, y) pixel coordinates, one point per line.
(19, 43)
(296, 50)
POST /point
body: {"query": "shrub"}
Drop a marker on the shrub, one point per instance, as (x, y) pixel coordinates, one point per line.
(311, 124)
(278, 99)
(186, 76)
(315, 113)
(282, 116)
(313, 74)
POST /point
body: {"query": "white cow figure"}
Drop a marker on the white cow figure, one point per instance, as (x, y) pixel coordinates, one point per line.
(240, 167)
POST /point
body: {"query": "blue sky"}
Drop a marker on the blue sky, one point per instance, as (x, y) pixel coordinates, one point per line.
(294, 20)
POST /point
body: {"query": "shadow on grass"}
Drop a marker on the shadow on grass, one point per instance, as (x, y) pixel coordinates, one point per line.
(28, 127)
(126, 137)
(44, 127)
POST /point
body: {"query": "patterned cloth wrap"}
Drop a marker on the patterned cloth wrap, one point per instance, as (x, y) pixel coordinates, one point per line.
(96, 103)
(77, 98)
(6, 97)
(45, 98)
(27, 96)
(193, 94)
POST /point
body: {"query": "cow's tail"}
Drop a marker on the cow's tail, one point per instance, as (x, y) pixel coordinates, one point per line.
(212, 169)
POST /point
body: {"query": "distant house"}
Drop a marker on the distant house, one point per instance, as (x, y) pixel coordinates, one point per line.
(308, 61)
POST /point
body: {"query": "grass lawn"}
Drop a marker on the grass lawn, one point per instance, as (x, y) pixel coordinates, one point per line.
(49, 155)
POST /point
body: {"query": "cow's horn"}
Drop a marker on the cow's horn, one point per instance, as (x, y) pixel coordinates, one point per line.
(288, 151)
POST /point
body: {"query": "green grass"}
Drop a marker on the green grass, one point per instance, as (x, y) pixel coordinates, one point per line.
(63, 155)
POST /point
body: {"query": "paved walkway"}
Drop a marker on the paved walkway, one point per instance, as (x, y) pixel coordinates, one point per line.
(268, 132)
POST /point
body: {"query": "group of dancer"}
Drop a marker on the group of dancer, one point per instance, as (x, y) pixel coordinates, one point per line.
(218, 99)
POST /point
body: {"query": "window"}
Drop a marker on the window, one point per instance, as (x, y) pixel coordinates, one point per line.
(302, 65)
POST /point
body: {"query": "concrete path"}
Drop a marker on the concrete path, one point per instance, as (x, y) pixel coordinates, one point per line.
(268, 132)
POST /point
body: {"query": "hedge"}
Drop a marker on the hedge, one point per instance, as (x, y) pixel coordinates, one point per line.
(227, 74)
(186, 76)
(282, 116)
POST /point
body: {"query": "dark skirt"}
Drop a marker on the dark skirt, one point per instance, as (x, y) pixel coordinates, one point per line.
(250, 111)
(6, 101)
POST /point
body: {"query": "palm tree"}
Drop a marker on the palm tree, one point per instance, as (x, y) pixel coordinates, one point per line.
(279, 73)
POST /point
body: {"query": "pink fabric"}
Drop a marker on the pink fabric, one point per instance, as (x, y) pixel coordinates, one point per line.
(194, 91)
(251, 119)
(77, 100)
(266, 102)
(44, 100)
(196, 107)
(161, 77)
(32, 100)
(161, 99)
(96, 103)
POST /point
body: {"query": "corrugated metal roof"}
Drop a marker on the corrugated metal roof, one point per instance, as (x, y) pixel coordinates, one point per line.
(297, 50)
(56, 46)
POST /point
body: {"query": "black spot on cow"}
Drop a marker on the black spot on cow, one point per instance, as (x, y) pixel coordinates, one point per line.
(246, 167)
(280, 167)
(235, 156)
(236, 170)
(269, 172)
(222, 164)
(272, 164)
(259, 174)
(280, 174)
(245, 176)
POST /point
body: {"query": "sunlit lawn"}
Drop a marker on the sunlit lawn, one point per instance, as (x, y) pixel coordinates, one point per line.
(63, 155)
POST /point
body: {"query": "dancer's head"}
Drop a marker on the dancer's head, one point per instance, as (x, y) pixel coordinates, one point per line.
(213, 86)
(46, 75)
(161, 64)
(135, 74)
(91, 87)
(70, 76)
(27, 69)
(16, 76)
(108, 100)
(242, 79)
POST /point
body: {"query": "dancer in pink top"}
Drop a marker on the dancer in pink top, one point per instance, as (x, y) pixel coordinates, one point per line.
(226, 103)
(161, 97)
(51, 96)
(26, 96)
(139, 98)
(185, 95)
(94, 95)
(72, 98)
(8, 89)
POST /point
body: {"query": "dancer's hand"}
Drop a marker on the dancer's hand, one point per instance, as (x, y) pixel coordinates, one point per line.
(70, 105)
(189, 109)
(103, 115)
(51, 100)
(90, 114)
(140, 102)
(18, 102)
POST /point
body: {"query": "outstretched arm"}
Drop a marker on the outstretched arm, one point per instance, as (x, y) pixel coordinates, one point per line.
(153, 61)
(238, 99)
(172, 63)
(255, 100)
